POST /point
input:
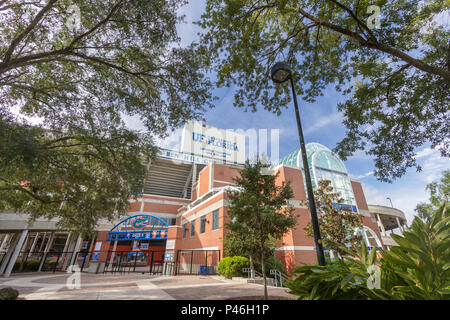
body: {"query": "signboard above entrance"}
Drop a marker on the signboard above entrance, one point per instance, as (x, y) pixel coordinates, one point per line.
(139, 227)
(206, 141)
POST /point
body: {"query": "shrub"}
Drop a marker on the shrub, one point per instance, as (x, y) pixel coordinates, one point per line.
(232, 266)
(271, 263)
(8, 294)
(416, 269)
(31, 265)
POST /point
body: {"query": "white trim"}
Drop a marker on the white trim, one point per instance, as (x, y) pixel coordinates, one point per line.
(160, 201)
(365, 213)
(277, 167)
(156, 214)
(211, 176)
(157, 195)
(208, 209)
(203, 249)
(219, 191)
(293, 248)
(230, 183)
(373, 233)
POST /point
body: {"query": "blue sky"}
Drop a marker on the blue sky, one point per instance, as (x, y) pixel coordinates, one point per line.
(321, 123)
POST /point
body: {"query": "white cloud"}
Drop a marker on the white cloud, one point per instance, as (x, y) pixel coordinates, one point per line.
(403, 198)
(409, 191)
(323, 122)
(367, 174)
(172, 142)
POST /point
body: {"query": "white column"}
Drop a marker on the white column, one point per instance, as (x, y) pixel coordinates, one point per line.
(399, 224)
(46, 250)
(64, 254)
(194, 177)
(4, 242)
(34, 243)
(111, 261)
(75, 250)
(6, 258)
(41, 247)
(17, 250)
(380, 224)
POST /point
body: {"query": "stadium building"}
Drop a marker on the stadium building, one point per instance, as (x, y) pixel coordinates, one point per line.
(177, 225)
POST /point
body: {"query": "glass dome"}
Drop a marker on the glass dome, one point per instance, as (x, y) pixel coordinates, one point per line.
(324, 165)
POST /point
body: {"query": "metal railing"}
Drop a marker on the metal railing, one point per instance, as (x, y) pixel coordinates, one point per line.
(277, 281)
(197, 262)
(279, 277)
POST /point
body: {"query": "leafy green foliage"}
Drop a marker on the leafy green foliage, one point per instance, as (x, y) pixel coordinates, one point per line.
(343, 279)
(336, 222)
(8, 294)
(81, 162)
(260, 209)
(416, 269)
(421, 261)
(395, 78)
(124, 59)
(232, 266)
(439, 193)
(78, 178)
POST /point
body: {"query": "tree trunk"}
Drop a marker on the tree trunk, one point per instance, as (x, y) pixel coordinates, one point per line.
(263, 268)
(252, 268)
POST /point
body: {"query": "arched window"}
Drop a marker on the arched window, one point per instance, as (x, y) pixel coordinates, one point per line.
(369, 236)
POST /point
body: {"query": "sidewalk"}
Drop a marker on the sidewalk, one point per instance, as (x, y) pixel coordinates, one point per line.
(42, 286)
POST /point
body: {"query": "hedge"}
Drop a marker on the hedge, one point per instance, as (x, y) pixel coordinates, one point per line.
(8, 294)
(232, 266)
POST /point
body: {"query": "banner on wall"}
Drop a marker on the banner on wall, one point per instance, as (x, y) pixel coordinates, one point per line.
(206, 141)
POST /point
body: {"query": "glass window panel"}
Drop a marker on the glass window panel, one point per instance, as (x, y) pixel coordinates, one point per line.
(202, 224)
(192, 228)
(215, 220)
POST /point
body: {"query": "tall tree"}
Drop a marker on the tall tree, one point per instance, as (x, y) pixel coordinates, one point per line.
(78, 178)
(395, 76)
(439, 194)
(262, 207)
(78, 68)
(240, 242)
(337, 223)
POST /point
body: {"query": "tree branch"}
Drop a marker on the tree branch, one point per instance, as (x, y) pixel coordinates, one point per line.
(419, 64)
(27, 30)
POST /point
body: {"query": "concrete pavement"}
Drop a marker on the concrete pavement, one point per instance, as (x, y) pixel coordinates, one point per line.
(84, 286)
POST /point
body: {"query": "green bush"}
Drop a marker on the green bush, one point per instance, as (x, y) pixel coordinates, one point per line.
(49, 265)
(8, 294)
(232, 266)
(31, 265)
(270, 263)
(417, 269)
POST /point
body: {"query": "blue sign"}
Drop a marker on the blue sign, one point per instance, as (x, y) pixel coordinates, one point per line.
(169, 256)
(139, 227)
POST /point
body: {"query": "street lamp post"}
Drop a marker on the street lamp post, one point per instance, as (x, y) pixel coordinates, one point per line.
(390, 201)
(280, 73)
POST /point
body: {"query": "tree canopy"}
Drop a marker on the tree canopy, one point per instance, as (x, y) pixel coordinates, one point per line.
(395, 77)
(439, 194)
(260, 208)
(78, 68)
(337, 223)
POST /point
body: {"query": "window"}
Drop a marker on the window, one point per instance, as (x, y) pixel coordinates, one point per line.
(185, 229)
(215, 220)
(202, 224)
(192, 228)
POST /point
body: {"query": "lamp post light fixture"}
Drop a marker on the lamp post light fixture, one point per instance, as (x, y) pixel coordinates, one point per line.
(281, 72)
(390, 201)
